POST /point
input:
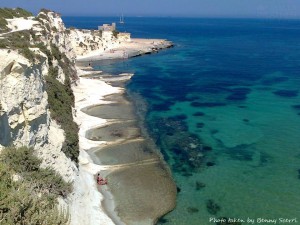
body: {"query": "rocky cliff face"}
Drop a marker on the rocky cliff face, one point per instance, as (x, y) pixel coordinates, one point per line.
(25, 117)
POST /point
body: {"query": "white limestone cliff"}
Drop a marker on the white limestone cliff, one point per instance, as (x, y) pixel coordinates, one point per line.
(24, 111)
(87, 41)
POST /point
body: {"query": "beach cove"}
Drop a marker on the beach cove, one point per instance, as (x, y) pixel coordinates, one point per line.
(140, 188)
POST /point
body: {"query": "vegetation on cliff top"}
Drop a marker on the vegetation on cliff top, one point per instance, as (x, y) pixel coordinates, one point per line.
(19, 41)
(28, 193)
(7, 13)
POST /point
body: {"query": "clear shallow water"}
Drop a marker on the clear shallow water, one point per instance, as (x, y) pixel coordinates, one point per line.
(223, 106)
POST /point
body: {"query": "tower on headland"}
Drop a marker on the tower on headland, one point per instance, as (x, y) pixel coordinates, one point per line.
(107, 27)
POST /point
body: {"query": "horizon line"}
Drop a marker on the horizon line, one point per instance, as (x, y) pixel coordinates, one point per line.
(183, 16)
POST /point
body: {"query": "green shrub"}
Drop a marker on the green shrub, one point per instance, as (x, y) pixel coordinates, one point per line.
(65, 64)
(61, 100)
(3, 25)
(9, 13)
(26, 200)
(45, 10)
(4, 43)
(23, 161)
(33, 35)
(47, 52)
(53, 72)
(21, 41)
(115, 33)
(41, 17)
(55, 52)
(54, 29)
(28, 54)
(6, 13)
(47, 179)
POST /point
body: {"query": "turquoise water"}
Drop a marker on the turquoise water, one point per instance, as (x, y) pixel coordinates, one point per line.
(224, 108)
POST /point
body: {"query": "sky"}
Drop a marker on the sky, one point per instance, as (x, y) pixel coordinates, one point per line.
(182, 8)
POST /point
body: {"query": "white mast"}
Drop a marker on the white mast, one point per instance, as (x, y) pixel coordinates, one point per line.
(122, 18)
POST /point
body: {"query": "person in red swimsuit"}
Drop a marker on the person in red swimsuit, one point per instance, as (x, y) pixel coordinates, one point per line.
(101, 180)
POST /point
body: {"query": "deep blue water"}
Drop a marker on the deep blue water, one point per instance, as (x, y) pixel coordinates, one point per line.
(224, 108)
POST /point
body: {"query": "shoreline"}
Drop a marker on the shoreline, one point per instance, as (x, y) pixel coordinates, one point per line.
(87, 198)
(102, 204)
(135, 47)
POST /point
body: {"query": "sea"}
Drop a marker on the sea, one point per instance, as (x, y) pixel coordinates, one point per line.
(223, 107)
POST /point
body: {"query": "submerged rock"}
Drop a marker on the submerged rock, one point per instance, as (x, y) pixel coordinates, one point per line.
(200, 125)
(187, 149)
(210, 164)
(297, 107)
(162, 221)
(192, 210)
(286, 93)
(237, 97)
(212, 207)
(207, 104)
(200, 185)
(238, 94)
(274, 80)
(199, 114)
